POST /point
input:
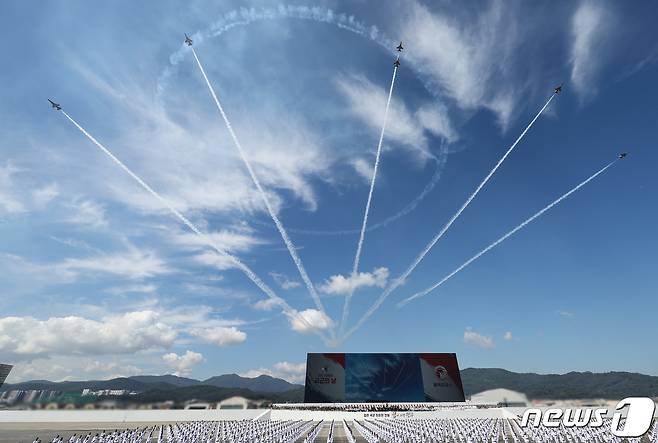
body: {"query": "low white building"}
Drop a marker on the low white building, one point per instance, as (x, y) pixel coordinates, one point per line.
(501, 397)
(236, 402)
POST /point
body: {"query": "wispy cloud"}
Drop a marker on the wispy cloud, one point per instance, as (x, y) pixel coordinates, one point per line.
(589, 24)
(284, 282)
(473, 54)
(134, 264)
(406, 128)
(86, 212)
(10, 202)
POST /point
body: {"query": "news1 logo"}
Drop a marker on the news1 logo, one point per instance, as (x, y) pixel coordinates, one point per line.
(638, 418)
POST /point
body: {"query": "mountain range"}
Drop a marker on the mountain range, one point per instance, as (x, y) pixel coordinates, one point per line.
(142, 383)
(609, 385)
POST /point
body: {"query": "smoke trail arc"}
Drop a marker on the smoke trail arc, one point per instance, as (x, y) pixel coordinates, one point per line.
(359, 247)
(439, 161)
(284, 235)
(402, 278)
(502, 239)
(236, 261)
(247, 16)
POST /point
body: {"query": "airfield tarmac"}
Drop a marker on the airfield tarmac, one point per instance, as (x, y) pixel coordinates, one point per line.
(27, 432)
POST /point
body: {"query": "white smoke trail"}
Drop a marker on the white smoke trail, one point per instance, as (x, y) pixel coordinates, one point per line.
(236, 261)
(401, 279)
(501, 239)
(270, 209)
(359, 247)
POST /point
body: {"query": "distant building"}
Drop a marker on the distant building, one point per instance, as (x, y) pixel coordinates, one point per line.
(198, 405)
(238, 402)
(4, 372)
(500, 397)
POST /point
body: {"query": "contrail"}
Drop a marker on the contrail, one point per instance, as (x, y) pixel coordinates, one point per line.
(359, 247)
(401, 279)
(275, 218)
(501, 239)
(239, 264)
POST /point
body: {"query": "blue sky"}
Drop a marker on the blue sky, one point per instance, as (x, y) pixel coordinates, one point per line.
(99, 280)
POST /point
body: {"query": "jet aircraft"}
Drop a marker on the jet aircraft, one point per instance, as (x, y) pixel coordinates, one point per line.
(188, 40)
(55, 105)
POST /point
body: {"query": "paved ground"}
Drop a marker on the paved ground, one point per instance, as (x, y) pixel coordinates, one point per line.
(339, 434)
(27, 432)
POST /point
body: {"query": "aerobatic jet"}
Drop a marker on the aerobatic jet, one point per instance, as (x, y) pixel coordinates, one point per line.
(399, 47)
(397, 62)
(558, 89)
(55, 105)
(188, 40)
(623, 154)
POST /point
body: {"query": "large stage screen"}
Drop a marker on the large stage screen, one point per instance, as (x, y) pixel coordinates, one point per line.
(361, 378)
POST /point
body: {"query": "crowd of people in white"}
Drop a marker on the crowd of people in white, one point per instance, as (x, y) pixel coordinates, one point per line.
(372, 431)
(377, 407)
(487, 431)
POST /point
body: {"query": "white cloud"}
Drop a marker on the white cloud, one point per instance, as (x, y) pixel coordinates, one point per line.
(40, 369)
(367, 102)
(215, 260)
(364, 168)
(284, 282)
(86, 213)
(508, 336)
(132, 289)
(195, 166)
(42, 196)
(266, 304)
(291, 372)
(220, 335)
(341, 285)
(9, 200)
(587, 29)
(309, 321)
(471, 62)
(133, 264)
(482, 341)
(74, 335)
(183, 364)
(228, 240)
(566, 314)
